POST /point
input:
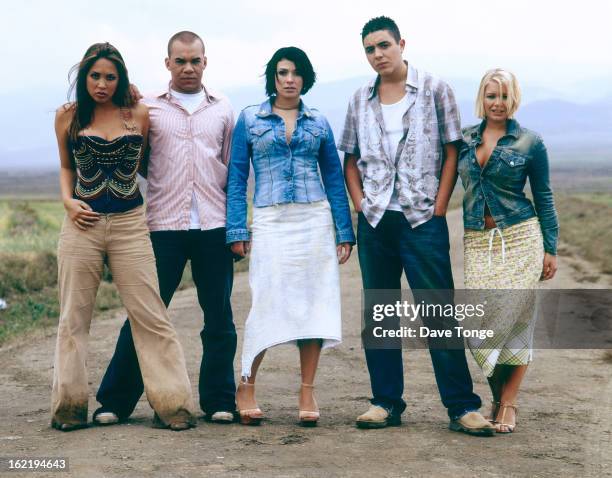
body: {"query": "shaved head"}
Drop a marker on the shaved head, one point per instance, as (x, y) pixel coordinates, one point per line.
(184, 37)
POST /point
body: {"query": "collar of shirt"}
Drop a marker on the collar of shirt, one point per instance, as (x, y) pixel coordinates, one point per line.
(211, 97)
(265, 110)
(412, 81)
(513, 129)
(412, 90)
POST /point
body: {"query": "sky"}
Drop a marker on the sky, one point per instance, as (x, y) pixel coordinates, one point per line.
(559, 51)
(555, 44)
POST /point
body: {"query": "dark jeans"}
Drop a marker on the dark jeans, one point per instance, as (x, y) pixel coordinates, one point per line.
(212, 270)
(423, 254)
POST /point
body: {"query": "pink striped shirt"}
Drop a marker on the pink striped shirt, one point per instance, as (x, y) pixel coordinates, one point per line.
(189, 155)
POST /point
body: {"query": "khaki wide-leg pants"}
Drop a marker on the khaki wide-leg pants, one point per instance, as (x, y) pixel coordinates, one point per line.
(123, 239)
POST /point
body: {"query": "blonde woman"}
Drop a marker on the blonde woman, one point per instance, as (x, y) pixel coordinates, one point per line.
(510, 241)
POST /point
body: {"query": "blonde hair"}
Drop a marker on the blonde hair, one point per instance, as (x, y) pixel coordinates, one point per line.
(502, 78)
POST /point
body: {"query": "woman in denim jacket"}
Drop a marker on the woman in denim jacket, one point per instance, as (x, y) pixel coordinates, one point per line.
(293, 270)
(510, 242)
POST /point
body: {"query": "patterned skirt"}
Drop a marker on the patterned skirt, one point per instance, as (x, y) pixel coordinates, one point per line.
(509, 259)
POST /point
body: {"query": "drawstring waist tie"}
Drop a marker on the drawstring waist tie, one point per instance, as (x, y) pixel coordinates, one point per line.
(494, 231)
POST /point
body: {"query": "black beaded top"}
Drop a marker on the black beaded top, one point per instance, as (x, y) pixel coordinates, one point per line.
(106, 172)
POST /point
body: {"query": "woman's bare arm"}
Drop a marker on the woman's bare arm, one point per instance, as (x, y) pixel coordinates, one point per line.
(78, 211)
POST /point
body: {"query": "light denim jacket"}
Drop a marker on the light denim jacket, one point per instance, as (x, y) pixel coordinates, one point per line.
(284, 173)
(519, 154)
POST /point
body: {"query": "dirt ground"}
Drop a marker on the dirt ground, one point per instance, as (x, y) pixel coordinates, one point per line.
(564, 425)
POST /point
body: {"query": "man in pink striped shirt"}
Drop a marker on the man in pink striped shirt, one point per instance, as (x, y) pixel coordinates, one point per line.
(189, 137)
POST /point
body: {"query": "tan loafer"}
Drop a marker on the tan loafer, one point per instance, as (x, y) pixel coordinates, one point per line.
(378, 417)
(473, 423)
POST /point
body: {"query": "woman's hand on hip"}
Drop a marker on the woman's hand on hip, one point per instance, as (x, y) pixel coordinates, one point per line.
(344, 252)
(81, 213)
(241, 248)
(549, 268)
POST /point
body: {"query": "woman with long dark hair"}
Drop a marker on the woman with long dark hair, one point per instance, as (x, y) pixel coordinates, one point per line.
(300, 232)
(101, 139)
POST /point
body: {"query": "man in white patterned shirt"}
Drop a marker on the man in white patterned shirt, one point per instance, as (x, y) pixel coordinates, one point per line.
(400, 170)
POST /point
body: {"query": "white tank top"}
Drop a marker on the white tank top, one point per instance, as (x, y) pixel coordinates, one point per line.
(394, 130)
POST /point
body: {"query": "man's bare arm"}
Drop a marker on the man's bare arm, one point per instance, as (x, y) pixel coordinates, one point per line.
(353, 180)
(448, 178)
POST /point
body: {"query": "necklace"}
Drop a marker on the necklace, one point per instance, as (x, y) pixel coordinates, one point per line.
(286, 109)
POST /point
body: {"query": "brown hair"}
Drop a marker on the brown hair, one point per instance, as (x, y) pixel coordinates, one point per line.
(84, 104)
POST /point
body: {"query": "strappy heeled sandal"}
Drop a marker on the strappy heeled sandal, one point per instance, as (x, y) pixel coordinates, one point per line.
(250, 416)
(309, 418)
(500, 423)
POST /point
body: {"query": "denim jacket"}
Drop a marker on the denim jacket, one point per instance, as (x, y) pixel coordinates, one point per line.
(285, 173)
(519, 154)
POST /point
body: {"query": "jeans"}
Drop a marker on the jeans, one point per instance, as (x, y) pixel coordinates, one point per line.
(212, 270)
(423, 254)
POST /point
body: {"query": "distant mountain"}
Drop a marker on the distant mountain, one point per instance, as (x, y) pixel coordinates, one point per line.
(27, 139)
(566, 124)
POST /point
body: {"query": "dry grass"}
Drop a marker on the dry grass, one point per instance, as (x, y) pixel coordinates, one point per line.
(25, 273)
(586, 223)
(29, 232)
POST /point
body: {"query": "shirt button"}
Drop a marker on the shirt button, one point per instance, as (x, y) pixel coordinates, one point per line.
(398, 186)
(511, 163)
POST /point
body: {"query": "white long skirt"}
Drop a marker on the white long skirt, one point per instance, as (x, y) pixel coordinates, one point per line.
(294, 279)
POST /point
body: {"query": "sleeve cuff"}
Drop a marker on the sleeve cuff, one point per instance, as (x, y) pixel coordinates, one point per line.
(237, 235)
(550, 241)
(550, 249)
(345, 236)
(349, 149)
(451, 138)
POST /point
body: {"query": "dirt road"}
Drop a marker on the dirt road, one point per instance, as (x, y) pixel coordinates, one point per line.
(564, 426)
